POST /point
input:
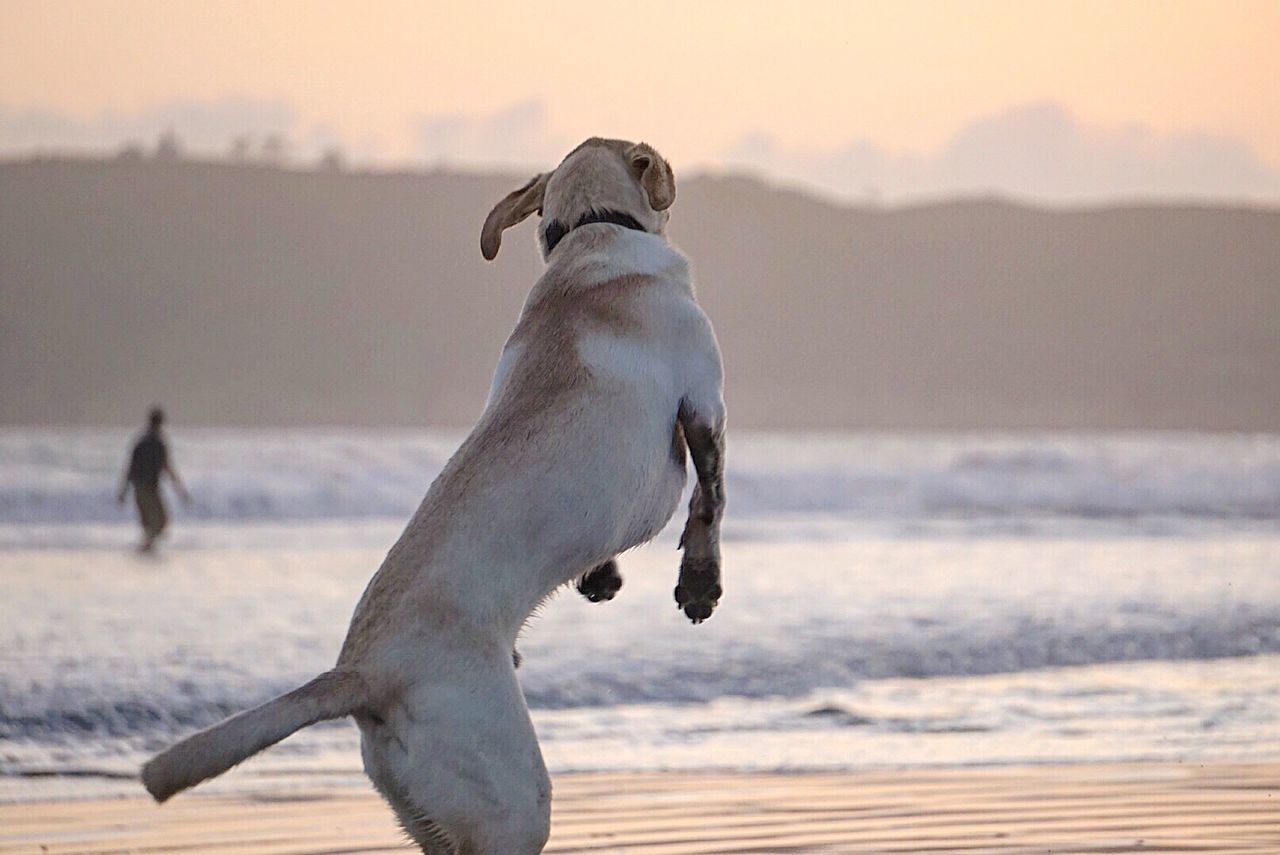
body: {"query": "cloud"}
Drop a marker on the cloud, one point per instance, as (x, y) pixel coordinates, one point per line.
(519, 134)
(516, 135)
(202, 125)
(1036, 150)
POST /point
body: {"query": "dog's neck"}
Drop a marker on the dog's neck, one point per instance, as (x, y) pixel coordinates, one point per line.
(554, 231)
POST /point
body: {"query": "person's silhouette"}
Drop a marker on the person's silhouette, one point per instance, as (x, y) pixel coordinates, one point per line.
(149, 460)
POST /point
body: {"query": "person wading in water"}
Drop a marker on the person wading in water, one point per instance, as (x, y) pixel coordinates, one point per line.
(150, 458)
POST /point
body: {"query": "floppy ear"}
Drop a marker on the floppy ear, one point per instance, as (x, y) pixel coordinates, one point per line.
(513, 208)
(654, 174)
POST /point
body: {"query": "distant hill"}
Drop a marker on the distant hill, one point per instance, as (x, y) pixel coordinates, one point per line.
(242, 295)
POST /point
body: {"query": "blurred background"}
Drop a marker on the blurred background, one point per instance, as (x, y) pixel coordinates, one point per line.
(997, 285)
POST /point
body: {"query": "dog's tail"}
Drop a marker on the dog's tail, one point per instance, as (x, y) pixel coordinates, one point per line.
(211, 752)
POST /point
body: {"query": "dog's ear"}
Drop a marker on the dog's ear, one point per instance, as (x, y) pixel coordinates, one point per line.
(654, 174)
(514, 208)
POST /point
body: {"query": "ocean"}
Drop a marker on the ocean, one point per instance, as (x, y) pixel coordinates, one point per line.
(890, 601)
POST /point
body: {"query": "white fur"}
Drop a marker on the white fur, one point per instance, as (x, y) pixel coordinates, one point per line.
(633, 252)
(510, 354)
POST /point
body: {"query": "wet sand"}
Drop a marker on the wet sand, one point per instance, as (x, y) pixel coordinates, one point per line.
(1221, 808)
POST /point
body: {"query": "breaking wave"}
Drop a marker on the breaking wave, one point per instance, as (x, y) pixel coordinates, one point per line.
(54, 477)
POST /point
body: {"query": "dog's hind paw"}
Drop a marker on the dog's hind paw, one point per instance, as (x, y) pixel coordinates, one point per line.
(698, 591)
(602, 583)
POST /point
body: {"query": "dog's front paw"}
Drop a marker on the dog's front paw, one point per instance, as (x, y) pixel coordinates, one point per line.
(602, 583)
(698, 590)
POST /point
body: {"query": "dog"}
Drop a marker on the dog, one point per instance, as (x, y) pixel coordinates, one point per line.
(611, 376)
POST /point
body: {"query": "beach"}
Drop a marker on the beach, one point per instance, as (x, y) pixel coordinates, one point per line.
(1147, 808)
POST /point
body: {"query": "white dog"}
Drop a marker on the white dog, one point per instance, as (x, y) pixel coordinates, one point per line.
(579, 455)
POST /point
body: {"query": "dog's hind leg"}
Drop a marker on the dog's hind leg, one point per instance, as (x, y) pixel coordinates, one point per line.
(456, 756)
(601, 583)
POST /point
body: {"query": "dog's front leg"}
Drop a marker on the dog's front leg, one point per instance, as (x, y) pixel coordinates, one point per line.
(602, 583)
(698, 589)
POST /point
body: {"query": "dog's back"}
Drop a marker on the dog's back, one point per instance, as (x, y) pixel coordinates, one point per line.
(589, 386)
(578, 455)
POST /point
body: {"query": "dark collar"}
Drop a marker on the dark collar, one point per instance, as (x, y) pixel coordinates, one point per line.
(554, 231)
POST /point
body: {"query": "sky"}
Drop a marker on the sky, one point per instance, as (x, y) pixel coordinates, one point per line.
(1048, 99)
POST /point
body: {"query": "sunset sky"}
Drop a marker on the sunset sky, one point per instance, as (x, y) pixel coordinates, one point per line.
(1058, 100)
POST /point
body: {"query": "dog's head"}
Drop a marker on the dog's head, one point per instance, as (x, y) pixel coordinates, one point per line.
(600, 180)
